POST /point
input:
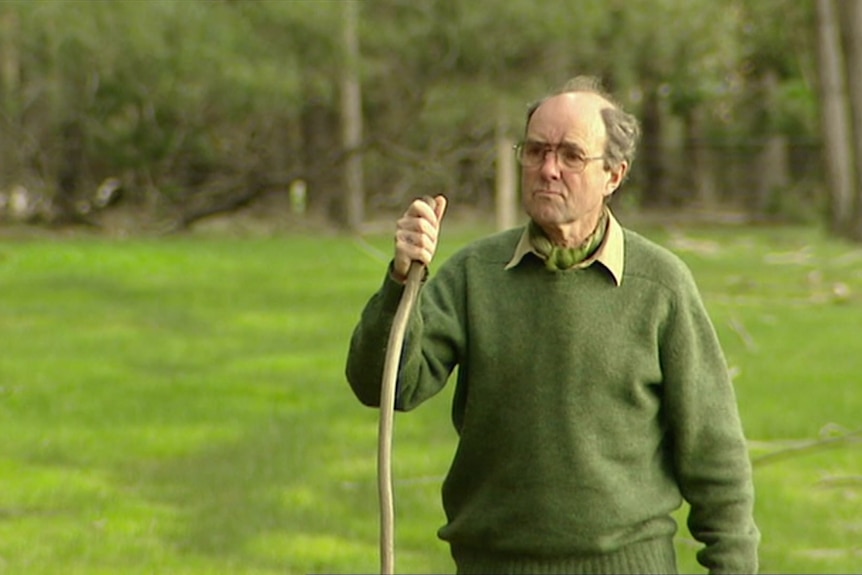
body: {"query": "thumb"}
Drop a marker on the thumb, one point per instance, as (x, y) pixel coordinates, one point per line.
(440, 204)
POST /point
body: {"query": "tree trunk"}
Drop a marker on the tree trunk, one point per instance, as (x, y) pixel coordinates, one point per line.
(698, 175)
(351, 118)
(851, 18)
(773, 168)
(836, 118)
(655, 194)
(10, 161)
(506, 180)
(71, 159)
(319, 138)
(773, 174)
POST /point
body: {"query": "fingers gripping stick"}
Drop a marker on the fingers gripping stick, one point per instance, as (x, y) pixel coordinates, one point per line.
(387, 413)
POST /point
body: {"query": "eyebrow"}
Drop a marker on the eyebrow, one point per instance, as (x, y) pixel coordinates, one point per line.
(563, 143)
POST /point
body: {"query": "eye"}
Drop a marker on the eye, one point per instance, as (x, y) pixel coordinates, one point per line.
(534, 150)
(570, 155)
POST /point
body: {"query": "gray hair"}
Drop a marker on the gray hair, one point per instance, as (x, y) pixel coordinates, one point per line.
(623, 129)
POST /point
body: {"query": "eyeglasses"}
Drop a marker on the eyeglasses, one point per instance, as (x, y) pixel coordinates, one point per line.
(531, 154)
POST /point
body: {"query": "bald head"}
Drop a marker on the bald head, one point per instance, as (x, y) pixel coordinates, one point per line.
(621, 130)
(571, 116)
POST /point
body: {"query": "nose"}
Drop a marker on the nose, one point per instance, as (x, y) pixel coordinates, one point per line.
(550, 165)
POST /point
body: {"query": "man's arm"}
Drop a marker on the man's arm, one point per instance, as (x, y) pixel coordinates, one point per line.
(711, 457)
(416, 235)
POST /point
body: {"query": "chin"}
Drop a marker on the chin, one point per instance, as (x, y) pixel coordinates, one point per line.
(548, 222)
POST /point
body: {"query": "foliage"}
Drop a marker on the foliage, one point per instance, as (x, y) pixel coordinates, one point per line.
(179, 405)
(161, 92)
(201, 105)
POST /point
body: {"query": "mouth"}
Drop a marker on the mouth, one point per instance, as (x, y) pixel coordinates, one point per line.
(546, 193)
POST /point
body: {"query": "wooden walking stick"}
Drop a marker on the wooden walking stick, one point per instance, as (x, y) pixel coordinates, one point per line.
(387, 413)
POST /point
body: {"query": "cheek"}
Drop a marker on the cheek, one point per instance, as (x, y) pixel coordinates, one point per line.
(586, 189)
(577, 184)
(529, 182)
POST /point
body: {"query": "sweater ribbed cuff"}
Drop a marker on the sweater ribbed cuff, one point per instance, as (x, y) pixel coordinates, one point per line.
(653, 556)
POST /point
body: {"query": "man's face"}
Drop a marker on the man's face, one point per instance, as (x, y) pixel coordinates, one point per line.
(555, 196)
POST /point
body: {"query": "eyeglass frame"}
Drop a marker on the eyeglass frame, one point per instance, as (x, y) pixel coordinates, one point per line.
(555, 148)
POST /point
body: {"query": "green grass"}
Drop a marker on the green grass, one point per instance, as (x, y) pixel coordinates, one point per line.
(179, 406)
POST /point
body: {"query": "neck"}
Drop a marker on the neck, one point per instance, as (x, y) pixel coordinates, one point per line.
(574, 234)
(559, 257)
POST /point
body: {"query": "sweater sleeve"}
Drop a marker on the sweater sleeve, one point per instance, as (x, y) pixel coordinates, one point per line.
(710, 453)
(367, 352)
(427, 358)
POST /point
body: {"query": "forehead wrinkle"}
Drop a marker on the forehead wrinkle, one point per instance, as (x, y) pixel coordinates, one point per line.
(560, 144)
(573, 117)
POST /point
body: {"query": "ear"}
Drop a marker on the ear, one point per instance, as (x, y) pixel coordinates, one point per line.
(616, 177)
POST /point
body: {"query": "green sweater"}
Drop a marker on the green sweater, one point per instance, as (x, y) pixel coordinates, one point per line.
(586, 411)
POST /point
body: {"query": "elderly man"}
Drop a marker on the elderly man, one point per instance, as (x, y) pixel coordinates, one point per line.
(592, 394)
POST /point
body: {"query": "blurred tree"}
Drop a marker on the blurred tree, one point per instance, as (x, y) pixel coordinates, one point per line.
(351, 117)
(776, 98)
(441, 82)
(675, 59)
(836, 117)
(204, 106)
(10, 82)
(171, 97)
(851, 19)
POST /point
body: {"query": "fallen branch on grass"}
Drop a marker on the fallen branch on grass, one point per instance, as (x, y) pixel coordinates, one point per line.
(809, 447)
(737, 326)
(838, 481)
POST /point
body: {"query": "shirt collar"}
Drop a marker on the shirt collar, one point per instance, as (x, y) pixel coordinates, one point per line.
(610, 254)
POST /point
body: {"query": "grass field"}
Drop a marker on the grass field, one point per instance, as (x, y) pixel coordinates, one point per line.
(179, 406)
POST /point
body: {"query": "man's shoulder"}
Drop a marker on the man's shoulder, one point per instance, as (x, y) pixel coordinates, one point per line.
(494, 248)
(648, 260)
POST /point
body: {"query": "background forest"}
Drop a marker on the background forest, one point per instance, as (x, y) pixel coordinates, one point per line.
(170, 111)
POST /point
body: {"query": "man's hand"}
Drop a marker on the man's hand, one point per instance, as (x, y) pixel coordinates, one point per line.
(416, 235)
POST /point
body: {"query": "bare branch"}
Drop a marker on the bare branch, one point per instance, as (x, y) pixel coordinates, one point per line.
(809, 447)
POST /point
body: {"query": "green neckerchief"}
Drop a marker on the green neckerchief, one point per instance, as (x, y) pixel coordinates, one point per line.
(560, 258)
